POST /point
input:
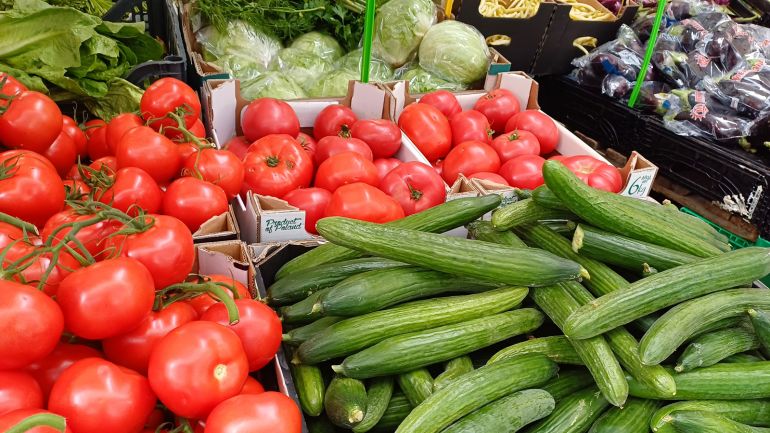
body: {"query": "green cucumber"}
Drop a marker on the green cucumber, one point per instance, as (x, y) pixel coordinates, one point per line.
(625, 252)
(506, 415)
(568, 382)
(299, 335)
(562, 227)
(685, 421)
(345, 402)
(634, 417)
(752, 412)
(679, 323)
(484, 231)
(417, 385)
(711, 348)
(524, 212)
(377, 398)
(475, 259)
(477, 389)
(298, 286)
(357, 333)
(376, 290)
(544, 197)
(668, 288)
(407, 352)
(454, 369)
(573, 414)
(743, 357)
(398, 409)
(760, 321)
(310, 386)
(321, 425)
(521, 194)
(304, 311)
(557, 348)
(438, 219)
(725, 381)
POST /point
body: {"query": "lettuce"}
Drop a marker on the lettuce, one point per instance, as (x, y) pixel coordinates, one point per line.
(321, 45)
(399, 26)
(455, 52)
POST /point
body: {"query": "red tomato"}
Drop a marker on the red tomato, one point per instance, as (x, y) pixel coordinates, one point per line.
(444, 100)
(185, 150)
(470, 125)
(34, 273)
(275, 165)
(220, 167)
(144, 148)
(525, 171)
(539, 124)
(197, 366)
(92, 236)
(197, 129)
(97, 143)
(32, 121)
(108, 164)
(30, 189)
(595, 173)
(9, 86)
(202, 303)
(428, 129)
(259, 329)
(194, 201)
(47, 370)
(75, 189)
(238, 146)
(91, 126)
(267, 116)
(438, 165)
(512, 144)
(416, 186)
(492, 177)
(71, 128)
(62, 153)
(498, 106)
(132, 187)
(31, 324)
(336, 120)
(9, 420)
(384, 165)
(311, 200)
(470, 157)
(19, 390)
(132, 349)
(382, 136)
(269, 412)
(118, 127)
(308, 143)
(558, 158)
(252, 386)
(333, 145)
(165, 249)
(364, 202)
(165, 96)
(343, 169)
(97, 396)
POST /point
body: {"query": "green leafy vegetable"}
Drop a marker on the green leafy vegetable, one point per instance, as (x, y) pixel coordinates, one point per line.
(455, 52)
(272, 84)
(323, 46)
(241, 49)
(422, 81)
(304, 67)
(399, 26)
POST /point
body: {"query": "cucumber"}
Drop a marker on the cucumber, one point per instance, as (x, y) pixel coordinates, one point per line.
(760, 321)
(679, 323)
(596, 354)
(562, 227)
(568, 382)
(408, 352)
(484, 231)
(417, 385)
(625, 252)
(463, 257)
(713, 347)
(725, 381)
(377, 398)
(454, 369)
(321, 425)
(477, 389)
(521, 194)
(299, 286)
(299, 335)
(526, 211)
(743, 357)
(438, 219)
(557, 348)
(668, 288)
(506, 415)
(376, 290)
(304, 311)
(398, 408)
(574, 414)
(356, 333)
(752, 412)
(345, 402)
(634, 417)
(310, 386)
(706, 422)
(544, 197)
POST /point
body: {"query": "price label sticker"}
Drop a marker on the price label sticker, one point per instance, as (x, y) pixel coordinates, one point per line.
(639, 182)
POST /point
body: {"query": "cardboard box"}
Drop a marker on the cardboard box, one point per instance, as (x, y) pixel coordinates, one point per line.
(227, 258)
(219, 228)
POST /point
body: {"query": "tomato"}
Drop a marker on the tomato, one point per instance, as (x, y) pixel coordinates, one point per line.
(382, 136)
(30, 189)
(525, 171)
(9, 420)
(92, 236)
(492, 177)
(333, 145)
(71, 128)
(144, 148)
(34, 273)
(197, 366)
(98, 396)
(444, 100)
(308, 143)
(75, 189)
(558, 158)
(470, 125)
(165, 96)
(31, 324)
(156, 418)
(108, 164)
(498, 106)
(165, 249)
(539, 124)
(132, 349)
(259, 329)
(275, 165)
(220, 167)
(470, 157)
(118, 127)
(267, 116)
(364, 202)
(416, 186)
(595, 173)
(238, 146)
(438, 165)
(512, 144)
(97, 142)
(343, 169)
(202, 303)
(194, 201)
(428, 129)
(47, 370)
(19, 390)
(62, 153)
(197, 129)
(252, 386)
(269, 412)
(336, 120)
(32, 121)
(185, 150)
(385, 165)
(10, 86)
(132, 187)
(311, 200)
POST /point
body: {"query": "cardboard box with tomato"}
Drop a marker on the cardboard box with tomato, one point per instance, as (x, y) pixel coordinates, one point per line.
(222, 227)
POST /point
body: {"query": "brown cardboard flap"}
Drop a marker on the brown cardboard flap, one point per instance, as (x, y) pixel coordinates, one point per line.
(220, 226)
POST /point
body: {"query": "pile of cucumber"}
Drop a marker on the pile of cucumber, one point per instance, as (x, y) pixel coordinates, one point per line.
(572, 311)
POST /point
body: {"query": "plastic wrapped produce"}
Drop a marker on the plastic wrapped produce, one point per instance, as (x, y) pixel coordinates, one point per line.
(695, 112)
(243, 51)
(321, 45)
(622, 56)
(272, 84)
(455, 52)
(380, 70)
(304, 67)
(399, 27)
(422, 81)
